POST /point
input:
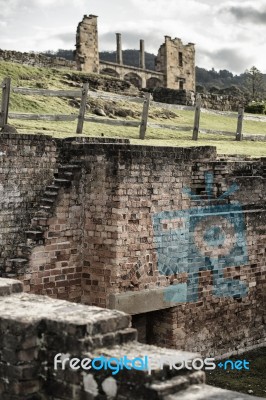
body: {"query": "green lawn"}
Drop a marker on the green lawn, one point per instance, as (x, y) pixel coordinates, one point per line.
(55, 79)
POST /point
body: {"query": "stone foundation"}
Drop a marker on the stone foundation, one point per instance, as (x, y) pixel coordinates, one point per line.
(37, 330)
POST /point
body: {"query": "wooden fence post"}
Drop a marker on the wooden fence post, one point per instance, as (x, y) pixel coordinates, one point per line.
(240, 117)
(6, 85)
(82, 110)
(144, 118)
(196, 118)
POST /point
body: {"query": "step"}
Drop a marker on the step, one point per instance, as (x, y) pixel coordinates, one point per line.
(43, 212)
(17, 262)
(62, 182)
(39, 221)
(16, 265)
(135, 349)
(45, 209)
(111, 339)
(53, 188)
(65, 174)
(34, 235)
(23, 250)
(47, 202)
(69, 167)
(176, 384)
(51, 193)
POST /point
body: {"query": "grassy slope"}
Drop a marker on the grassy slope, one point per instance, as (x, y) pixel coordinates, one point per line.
(54, 79)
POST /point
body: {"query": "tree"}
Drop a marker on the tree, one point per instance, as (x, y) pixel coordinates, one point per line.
(255, 82)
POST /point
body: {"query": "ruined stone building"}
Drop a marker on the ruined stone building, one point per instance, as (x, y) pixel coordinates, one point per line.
(175, 63)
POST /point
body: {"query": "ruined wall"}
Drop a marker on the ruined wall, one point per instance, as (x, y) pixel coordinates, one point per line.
(240, 325)
(210, 101)
(87, 53)
(27, 164)
(177, 62)
(36, 60)
(117, 227)
(36, 329)
(172, 96)
(220, 102)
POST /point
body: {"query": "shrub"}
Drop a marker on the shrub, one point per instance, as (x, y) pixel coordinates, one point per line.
(255, 108)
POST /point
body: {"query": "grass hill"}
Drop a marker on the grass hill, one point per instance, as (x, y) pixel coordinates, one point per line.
(26, 76)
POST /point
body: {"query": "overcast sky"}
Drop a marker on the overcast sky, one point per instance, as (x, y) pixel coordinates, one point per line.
(228, 35)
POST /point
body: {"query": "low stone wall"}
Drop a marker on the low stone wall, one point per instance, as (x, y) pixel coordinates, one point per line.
(36, 60)
(222, 102)
(173, 96)
(39, 334)
(212, 101)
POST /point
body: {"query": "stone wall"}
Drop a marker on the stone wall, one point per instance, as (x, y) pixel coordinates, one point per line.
(212, 101)
(36, 60)
(110, 230)
(87, 53)
(37, 330)
(177, 62)
(172, 96)
(222, 102)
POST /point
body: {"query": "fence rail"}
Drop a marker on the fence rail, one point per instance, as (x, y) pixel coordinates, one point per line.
(47, 92)
(81, 117)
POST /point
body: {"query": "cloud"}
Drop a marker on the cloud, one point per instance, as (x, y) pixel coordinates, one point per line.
(248, 13)
(225, 58)
(67, 37)
(221, 30)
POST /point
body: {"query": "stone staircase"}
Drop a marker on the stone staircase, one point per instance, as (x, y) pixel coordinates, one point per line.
(34, 235)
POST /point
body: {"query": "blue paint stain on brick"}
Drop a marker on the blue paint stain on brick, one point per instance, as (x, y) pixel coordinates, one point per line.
(209, 237)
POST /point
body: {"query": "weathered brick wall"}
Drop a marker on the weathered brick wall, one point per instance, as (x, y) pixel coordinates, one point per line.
(122, 193)
(45, 248)
(27, 164)
(96, 240)
(122, 249)
(239, 321)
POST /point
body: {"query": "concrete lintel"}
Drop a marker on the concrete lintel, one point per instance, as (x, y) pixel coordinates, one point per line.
(149, 300)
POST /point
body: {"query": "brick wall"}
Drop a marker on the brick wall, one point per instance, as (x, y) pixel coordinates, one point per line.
(27, 164)
(93, 237)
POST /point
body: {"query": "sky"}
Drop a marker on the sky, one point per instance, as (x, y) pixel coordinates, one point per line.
(228, 34)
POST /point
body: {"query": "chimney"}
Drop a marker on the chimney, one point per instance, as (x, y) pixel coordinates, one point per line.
(119, 57)
(141, 54)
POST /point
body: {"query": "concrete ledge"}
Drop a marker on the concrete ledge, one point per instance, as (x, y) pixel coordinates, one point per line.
(149, 300)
